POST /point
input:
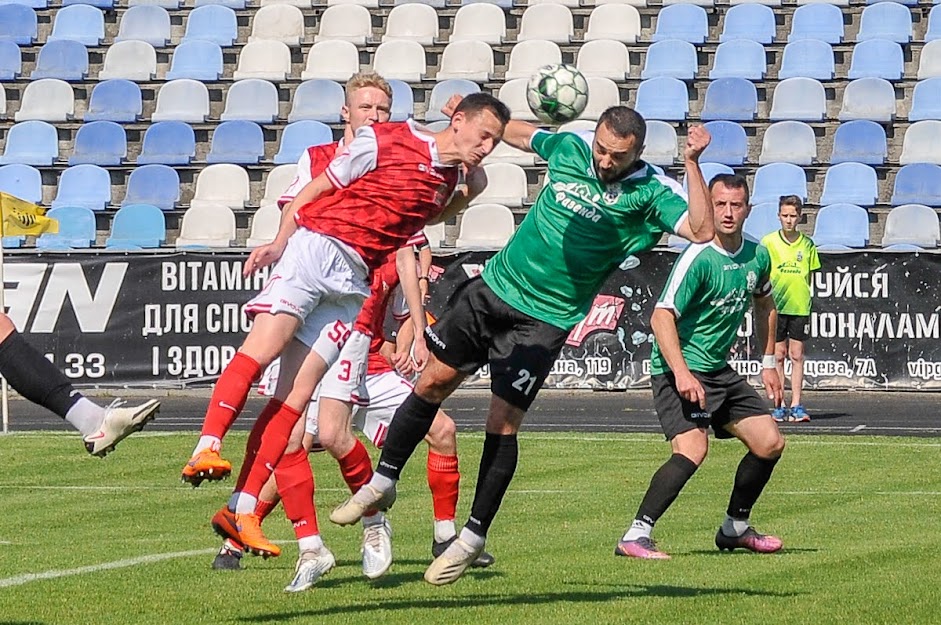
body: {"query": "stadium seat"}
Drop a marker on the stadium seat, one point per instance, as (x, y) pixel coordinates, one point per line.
(277, 181)
(912, 224)
(331, 60)
(183, 100)
(788, 142)
(671, 57)
(278, 22)
(467, 60)
(617, 22)
(345, 22)
(926, 100)
(505, 153)
(729, 144)
(548, 22)
(807, 58)
(877, 58)
(486, 225)
(402, 60)
(99, 143)
(442, 92)
(268, 60)
(369, 4)
(842, 224)
(21, 181)
(929, 65)
(503, 4)
(76, 229)
(265, 224)
(739, 58)
(142, 225)
(682, 21)
(145, 23)
(528, 56)
(702, 3)
(166, 4)
(196, 59)
(731, 99)
(749, 21)
(506, 184)
(11, 60)
(158, 185)
(777, 179)
(513, 94)
(660, 148)
(168, 143)
(318, 100)
(116, 101)
(868, 98)
(800, 99)
(237, 141)
(235, 5)
(62, 59)
(100, 4)
(885, 20)
(214, 23)
(762, 220)
(19, 24)
(921, 142)
(412, 22)
(917, 183)
(31, 143)
(224, 184)
(84, 185)
(298, 136)
(403, 101)
(252, 100)
(603, 58)
(860, 141)
(710, 171)
(934, 24)
(603, 93)
(79, 22)
(662, 98)
(49, 100)
(850, 183)
(479, 22)
(823, 22)
(435, 235)
(3, 102)
(131, 60)
(206, 225)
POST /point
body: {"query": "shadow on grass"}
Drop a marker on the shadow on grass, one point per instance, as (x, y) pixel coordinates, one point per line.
(780, 554)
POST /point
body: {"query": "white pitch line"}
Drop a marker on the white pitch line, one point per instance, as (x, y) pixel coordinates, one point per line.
(858, 428)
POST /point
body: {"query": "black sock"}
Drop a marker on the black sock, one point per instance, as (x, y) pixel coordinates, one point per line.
(409, 426)
(664, 487)
(497, 466)
(750, 479)
(35, 378)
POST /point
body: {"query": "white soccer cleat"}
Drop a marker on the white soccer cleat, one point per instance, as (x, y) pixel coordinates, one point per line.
(366, 498)
(450, 565)
(118, 424)
(377, 549)
(311, 566)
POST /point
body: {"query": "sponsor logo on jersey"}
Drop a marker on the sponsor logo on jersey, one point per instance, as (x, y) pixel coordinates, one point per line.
(574, 196)
(604, 315)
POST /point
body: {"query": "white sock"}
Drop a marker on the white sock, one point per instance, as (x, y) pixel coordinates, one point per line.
(245, 503)
(382, 483)
(310, 543)
(85, 416)
(444, 530)
(375, 519)
(472, 539)
(638, 529)
(734, 527)
(208, 442)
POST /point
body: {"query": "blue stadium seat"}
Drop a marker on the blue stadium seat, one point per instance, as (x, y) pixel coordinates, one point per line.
(168, 143)
(762, 220)
(101, 4)
(788, 142)
(822, 21)
(842, 224)
(710, 171)
(239, 142)
(662, 98)
(673, 58)
(503, 4)
(253, 100)
(33, 4)
(214, 23)
(850, 183)
(918, 183)
(298, 136)
(868, 98)
(749, 21)
(934, 24)
(732, 99)
(403, 101)
(236, 5)
(859, 141)
(62, 59)
(196, 59)
(153, 184)
(911, 225)
(76, 229)
(808, 58)
(886, 20)
(442, 92)
(777, 179)
(79, 22)
(729, 144)
(143, 225)
(84, 185)
(877, 58)
(21, 181)
(739, 58)
(11, 60)
(682, 21)
(19, 24)
(145, 23)
(116, 100)
(926, 100)
(99, 143)
(801, 99)
(31, 143)
(319, 100)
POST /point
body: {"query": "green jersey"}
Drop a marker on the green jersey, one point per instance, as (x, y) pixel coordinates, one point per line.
(791, 266)
(579, 230)
(709, 291)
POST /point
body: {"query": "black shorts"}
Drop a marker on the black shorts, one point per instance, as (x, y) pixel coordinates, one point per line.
(479, 328)
(729, 398)
(795, 327)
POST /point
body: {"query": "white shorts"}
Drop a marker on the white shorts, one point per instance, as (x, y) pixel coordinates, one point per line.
(320, 281)
(346, 378)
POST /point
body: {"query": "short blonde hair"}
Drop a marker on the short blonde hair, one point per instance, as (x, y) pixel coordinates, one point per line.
(367, 79)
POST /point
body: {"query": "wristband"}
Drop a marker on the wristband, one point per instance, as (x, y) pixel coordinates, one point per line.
(769, 362)
(423, 277)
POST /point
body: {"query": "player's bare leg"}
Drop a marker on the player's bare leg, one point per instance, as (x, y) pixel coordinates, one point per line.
(796, 353)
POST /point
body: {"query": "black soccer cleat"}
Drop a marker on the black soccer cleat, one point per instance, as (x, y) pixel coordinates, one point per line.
(228, 559)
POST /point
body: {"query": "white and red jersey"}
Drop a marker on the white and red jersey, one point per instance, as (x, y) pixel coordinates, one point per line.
(389, 183)
(312, 163)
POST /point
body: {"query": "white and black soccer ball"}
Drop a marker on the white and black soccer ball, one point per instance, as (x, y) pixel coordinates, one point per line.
(557, 93)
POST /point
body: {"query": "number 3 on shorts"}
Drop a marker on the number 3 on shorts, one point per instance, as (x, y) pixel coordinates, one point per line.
(525, 382)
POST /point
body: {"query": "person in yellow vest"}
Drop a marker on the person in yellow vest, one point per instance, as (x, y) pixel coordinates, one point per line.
(793, 260)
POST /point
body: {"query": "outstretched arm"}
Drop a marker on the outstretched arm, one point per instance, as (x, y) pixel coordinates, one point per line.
(699, 226)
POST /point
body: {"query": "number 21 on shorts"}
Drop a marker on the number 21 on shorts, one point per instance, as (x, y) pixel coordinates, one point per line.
(525, 382)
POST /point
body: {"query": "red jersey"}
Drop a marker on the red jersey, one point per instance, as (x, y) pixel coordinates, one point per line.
(389, 184)
(311, 164)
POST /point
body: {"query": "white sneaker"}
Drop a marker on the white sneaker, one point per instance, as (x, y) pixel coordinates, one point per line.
(377, 549)
(118, 424)
(311, 566)
(450, 565)
(366, 498)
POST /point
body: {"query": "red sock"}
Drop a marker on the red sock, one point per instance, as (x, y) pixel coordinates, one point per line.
(263, 508)
(254, 440)
(228, 398)
(296, 487)
(274, 441)
(443, 480)
(356, 468)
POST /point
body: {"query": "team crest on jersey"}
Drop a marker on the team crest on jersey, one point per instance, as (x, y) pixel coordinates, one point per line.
(800, 256)
(751, 280)
(612, 193)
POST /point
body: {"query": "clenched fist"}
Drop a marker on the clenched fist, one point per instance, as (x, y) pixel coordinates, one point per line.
(697, 139)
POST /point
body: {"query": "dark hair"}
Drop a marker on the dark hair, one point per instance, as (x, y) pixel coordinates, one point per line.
(476, 102)
(791, 200)
(624, 122)
(730, 181)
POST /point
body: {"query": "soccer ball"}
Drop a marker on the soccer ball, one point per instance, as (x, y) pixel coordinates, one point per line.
(557, 93)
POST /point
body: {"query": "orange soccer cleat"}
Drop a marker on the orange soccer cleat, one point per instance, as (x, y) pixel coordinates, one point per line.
(206, 465)
(252, 538)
